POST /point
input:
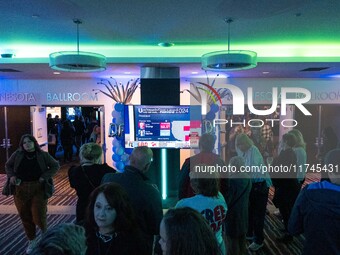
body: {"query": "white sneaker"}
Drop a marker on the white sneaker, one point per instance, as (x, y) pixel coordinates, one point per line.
(31, 245)
(254, 246)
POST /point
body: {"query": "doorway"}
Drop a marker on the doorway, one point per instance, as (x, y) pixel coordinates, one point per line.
(14, 122)
(93, 114)
(311, 126)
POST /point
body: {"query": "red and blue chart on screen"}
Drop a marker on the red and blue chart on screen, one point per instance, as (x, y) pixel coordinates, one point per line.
(162, 126)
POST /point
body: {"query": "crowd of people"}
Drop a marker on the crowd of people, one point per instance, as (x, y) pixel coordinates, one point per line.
(69, 134)
(121, 213)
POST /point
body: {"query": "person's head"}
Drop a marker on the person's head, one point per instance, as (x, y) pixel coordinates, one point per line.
(141, 158)
(206, 184)
(237, 162)
(64, 238)
(28, 143)
(289, 140)
(206, 142)
(67, 123)
(298, 137)
(185, 231)
(49, 115)
(332, 161)
(256, 128)
(109, 209)
(90, 153)
(243, 142)
(95, 129)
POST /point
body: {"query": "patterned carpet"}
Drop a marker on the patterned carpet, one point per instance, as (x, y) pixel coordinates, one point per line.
(61, 208)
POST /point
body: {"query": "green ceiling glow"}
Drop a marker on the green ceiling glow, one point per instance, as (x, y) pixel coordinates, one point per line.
(267, 52)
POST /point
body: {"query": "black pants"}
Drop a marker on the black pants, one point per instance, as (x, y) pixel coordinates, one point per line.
(68, 151)
(257, 211)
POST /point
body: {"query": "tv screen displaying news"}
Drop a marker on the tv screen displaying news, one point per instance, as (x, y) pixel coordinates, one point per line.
(162, 126)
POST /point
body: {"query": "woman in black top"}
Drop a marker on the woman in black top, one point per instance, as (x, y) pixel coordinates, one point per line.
(30, 168)
(110, 223)
(86, 177)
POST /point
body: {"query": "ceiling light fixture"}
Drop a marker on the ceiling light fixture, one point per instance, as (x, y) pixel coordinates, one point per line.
(77, 61)
(166, 44)
(229, 60)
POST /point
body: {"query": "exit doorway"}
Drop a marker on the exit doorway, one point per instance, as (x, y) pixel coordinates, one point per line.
(93, 114)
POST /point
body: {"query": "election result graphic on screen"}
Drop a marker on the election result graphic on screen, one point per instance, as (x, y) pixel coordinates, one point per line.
(163, 126)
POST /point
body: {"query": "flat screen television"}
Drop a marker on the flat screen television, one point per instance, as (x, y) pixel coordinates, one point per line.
(162, 126)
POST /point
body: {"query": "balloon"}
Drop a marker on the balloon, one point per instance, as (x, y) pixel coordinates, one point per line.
(125, 157)
(117, 117)
(119, 151)
(115, 114)
(120, 166)
(115, 143)
(119, 120)
(210, 116)
(115, 158)
(119, 107)
(120, 138)
(214, 108)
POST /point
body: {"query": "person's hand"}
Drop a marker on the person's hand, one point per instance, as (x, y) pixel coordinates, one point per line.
(13, 180)
(41, 180)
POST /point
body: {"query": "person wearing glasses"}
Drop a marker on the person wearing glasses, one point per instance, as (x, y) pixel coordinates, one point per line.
(145, 196)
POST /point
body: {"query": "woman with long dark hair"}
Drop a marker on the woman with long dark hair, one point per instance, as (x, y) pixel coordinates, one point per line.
(185, 231)
(208, 201)
(30, 169)
(110, 223)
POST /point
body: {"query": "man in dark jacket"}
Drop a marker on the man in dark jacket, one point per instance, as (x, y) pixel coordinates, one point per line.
(145, 197)
(316, 212)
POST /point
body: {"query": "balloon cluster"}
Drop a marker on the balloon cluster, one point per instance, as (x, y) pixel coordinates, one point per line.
(213, 110)
(120, 155)
(209, 117)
